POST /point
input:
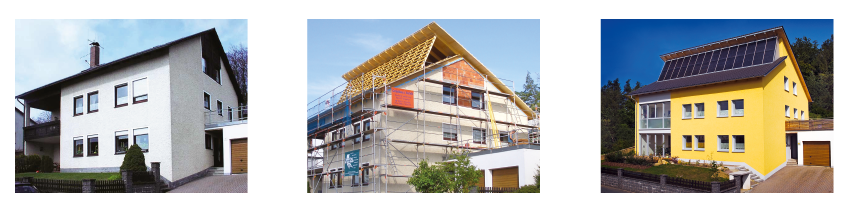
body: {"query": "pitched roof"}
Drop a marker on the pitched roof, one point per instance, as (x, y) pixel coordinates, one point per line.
(444, 44)
(710, 78)
(106, 66)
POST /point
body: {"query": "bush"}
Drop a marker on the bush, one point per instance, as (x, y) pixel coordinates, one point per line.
(114, 177)
(615, 157)
(20, 163)
(134, 160)
(528, 189)
(46, 164)
(33, 163)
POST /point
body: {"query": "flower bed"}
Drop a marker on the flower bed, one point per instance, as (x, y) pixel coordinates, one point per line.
(625, 165)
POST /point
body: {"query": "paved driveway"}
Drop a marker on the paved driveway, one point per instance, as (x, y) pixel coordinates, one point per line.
(216, 184)
(799, 179)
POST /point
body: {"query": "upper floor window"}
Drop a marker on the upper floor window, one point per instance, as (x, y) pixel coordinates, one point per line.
(687, 111)
(93, 102)
(739, 108)
(795, 91)
(230, 114)
(721, 108)
(802, 115)
(478, 135)
(121, 95)
(78, 105)
(140, 137)
(449, 95)
(206, 101)
(785, 84)
(140, 91)
(450, 132)
(219, 107)
(794, 113)
(211, 71)
(699, 110)
(786, 111)
(204, 65)
(476, 100)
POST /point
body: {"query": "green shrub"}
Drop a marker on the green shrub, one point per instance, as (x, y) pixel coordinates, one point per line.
(134, 160)
(33, 163)
(46, 164)
(528, 189)
(615, 157)
(20, 163)
(114, 177)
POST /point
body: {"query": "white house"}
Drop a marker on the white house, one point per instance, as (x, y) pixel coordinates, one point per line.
(178, 101)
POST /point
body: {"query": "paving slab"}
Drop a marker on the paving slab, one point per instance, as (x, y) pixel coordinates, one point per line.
(216, 184)
(799, 179)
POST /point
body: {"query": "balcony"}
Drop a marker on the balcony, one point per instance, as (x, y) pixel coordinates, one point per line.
(809, 125)
(655, 115)
(44, 130)
(226, 117)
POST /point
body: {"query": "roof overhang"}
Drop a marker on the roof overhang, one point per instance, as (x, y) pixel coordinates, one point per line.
(448, 46)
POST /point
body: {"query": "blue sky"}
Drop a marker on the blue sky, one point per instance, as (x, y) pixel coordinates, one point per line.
(509, 48)
(631, 49)
(49, 50)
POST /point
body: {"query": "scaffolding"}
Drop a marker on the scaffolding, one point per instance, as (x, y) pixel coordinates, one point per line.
(384, 133)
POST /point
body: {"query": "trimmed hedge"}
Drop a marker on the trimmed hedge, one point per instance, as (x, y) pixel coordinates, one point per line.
(20, 164)
(528, 189)
(46, 164)
(33, 163)
(134, 160)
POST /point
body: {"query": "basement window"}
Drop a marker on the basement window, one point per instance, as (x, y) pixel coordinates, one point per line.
(687, 111)
(449, 95)
(687, 142)
(450, 132)
(739, 143)
(699, 142)
(739, 108)
(722, 109)
(723, 143)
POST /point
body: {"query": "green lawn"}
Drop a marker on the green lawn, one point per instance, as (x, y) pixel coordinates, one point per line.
(672, 170)
(68, 176)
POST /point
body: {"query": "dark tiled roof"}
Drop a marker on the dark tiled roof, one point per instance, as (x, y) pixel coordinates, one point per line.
(705, 79)
(130, 57)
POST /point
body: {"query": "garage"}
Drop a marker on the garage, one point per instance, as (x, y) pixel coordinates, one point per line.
(505, 177)
(239, 156)
(816, 153)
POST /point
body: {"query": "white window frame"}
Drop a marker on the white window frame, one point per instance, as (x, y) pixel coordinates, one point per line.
(128, 98)
(734, 143)
(696, 110)
(802, 116)
(786, 88)
(719, 109)
(129, 141)
(686, 111)
(140, 131)
(795, 92)
(482, 133)
(719, 143)
(695, 142)
(787, 111)
(794, 113)
(89, 104)
(147, 90)
(456, 129)
(734, 106)
(683, 142)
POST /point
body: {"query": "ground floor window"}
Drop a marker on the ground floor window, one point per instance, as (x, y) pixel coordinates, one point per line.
(121, 142)
(78, 147)
(687, 142)
(723, 142)
(140, 137)
(93, 145)
(739, 143)
(699, 142)
(208, 141)
(365, 174)
(450, 132)
(478, 135)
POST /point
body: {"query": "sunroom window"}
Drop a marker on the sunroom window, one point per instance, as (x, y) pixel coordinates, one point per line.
(655, 115)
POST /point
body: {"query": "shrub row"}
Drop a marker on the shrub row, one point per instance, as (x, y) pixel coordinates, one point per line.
(33, 163)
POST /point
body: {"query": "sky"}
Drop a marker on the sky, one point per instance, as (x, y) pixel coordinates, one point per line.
(50, 50)
(631, 49)
(509, 48)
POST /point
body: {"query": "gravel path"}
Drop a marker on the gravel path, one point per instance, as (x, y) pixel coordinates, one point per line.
(216, 184)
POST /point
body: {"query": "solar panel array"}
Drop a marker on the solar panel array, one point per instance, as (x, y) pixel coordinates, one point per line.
(738, 56)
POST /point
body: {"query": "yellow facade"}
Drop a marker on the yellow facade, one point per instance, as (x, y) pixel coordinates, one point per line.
(762, 123)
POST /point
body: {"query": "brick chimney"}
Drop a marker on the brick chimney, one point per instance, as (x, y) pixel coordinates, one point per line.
(94, 55)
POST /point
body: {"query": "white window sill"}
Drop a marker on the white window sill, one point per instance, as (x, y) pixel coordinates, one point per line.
(699, 150)
(686, 118)
(737, 115)
(699, 117)
(739, 151)
(687, 149)
(721, 116)
(722, 150)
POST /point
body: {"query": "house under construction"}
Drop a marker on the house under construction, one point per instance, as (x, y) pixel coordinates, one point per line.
(423, 98)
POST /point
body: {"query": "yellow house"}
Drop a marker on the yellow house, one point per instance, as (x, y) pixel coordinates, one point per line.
(725, 101)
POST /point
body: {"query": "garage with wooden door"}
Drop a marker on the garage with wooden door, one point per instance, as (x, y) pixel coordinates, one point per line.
(239, 156)
(816, 153)
(504, 177)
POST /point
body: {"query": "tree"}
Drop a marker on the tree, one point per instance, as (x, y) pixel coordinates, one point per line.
(238, 57)
(43, 117)
(134, 160)
(618, 115)
(816, 61)
(455, 176)
(531, 94)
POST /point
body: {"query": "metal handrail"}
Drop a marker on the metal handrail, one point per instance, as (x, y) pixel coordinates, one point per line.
(237, 114)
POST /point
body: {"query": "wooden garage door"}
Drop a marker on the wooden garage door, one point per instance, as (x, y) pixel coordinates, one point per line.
(239, 156)
(817, 153)
(506, 177)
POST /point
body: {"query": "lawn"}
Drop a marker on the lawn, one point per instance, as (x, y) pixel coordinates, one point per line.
(681, 171)
(68, 176)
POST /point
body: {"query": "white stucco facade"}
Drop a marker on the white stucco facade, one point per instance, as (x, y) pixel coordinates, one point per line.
(527, 161)
(230, 133)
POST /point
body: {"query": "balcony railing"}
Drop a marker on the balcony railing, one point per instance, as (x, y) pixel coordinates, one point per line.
(809, 125)
(47, 129)
(238, 114)
(654, 123)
